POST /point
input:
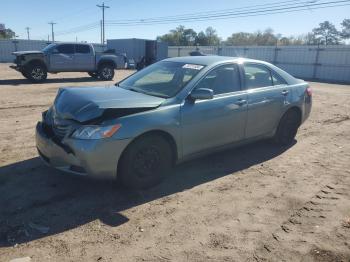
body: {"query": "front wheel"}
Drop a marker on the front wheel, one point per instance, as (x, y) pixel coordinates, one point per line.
(25, 74)
(145, 162)
(106, 72)
(287, 128)
(36, 73)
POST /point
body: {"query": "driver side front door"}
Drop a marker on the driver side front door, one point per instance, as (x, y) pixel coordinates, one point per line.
(62, 58)
(207, 124)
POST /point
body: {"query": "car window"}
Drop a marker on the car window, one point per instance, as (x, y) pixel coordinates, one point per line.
(65, 49)
(82, 49)
(277, 80)
(221, 80)
(257, 76)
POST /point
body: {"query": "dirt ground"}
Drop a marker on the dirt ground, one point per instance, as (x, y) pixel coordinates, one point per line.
(254, 203)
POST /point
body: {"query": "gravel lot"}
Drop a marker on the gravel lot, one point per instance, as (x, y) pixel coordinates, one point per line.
(254, 203)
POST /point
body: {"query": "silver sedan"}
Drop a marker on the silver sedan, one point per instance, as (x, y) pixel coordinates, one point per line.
(171, 111)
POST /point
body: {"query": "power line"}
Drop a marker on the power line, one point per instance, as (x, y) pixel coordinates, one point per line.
(103, 7)
(217, 12)
(79, 28)
(52, 33)
(248, 11)
(228, 15)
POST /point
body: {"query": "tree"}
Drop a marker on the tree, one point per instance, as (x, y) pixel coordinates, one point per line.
(345, 33)
(241, 38)
(7, 33)
(182, 36)
(327, 34)
(212, 36)
(201, 39)
(266, 38)
(179, 36)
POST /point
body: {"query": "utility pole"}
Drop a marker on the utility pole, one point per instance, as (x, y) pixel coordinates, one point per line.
(52, 33)
(28, 28)
(103, 7)
(101, 31)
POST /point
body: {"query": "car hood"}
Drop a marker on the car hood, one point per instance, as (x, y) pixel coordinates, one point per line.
(27, 53)
(86, 103)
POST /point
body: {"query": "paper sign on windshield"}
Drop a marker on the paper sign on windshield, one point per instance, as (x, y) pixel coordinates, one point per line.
(192, 66)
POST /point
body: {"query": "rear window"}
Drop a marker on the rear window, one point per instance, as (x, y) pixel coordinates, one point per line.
(82, 49)
(257, 76)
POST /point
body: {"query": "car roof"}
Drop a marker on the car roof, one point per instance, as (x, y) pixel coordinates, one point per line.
(210, 59)
(70, 43)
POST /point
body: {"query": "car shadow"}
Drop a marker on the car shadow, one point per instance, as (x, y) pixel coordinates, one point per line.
(16, 82)
(38, 201)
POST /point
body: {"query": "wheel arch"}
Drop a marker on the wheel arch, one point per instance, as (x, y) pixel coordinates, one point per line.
(36, 62)
(106, 62)
(297, 109)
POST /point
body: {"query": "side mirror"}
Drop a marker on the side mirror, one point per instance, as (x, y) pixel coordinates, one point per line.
(202, 94)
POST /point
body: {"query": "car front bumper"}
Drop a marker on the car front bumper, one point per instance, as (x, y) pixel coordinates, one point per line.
(93, 158)
(16, 67)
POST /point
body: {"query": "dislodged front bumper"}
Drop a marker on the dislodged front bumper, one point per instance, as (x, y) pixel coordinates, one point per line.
(15, 67)
(95, 158)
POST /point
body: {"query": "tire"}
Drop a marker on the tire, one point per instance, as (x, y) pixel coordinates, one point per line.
(287, 128)
(93, 74)
(24, 73)
(145, 162)
(36, 73)
(106, 72)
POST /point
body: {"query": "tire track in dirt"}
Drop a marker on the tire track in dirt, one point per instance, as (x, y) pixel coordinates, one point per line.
(24, 106)
(306, 223)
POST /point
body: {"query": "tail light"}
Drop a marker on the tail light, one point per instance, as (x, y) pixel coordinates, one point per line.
(309, 91)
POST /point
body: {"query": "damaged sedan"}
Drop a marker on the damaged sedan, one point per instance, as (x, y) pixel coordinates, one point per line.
(173, 110)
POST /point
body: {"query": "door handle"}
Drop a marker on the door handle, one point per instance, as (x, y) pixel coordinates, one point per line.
(285, 92)
(241, 102)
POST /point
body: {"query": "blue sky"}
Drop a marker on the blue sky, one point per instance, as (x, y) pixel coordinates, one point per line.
(18, 14)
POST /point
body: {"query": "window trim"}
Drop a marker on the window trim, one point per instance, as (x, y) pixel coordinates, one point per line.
(216, 67)
(268, 69)
(280, 78)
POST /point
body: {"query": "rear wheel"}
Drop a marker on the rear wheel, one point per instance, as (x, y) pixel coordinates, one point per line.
(145, 162)
(106, 72)
(36, 73)
(287, 128)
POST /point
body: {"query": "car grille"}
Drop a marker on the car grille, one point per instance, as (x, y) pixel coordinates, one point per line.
(56, 126)
(60, 130)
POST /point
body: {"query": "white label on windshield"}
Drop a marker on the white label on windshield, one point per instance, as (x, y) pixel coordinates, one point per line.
(192, 66)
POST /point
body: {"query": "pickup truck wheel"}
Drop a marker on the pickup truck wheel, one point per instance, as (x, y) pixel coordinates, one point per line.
(145, 162)
(25, 74)
(93, 74)
(106, 72)
(36, 73)
(287, 128)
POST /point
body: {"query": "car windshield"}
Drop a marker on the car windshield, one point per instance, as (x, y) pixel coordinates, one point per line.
(47, 48)
(162, 79)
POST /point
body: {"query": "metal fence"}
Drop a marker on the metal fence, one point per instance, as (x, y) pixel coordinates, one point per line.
(9, 46)
(326, 63)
